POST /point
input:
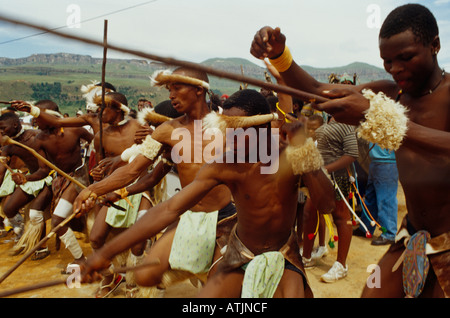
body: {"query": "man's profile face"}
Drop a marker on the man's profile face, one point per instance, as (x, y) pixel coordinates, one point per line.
(6, 128)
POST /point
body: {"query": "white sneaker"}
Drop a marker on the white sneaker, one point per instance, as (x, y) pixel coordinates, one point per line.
(309, 262)
(336, 272)
(320, 252)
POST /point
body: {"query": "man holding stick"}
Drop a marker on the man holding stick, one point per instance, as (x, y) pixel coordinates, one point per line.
(187, 89)
(409, 44)
(62, 147)
(118, 134)
(263, 239)
(35, 186)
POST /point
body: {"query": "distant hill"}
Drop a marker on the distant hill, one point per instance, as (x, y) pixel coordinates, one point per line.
(59, 77)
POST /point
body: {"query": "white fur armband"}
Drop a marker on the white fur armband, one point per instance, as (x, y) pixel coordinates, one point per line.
(130, 153)
(150, 147)
(386, 121)
(35, 111)
(304, 158)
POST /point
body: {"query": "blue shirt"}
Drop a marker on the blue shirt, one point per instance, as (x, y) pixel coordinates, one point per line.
(378, 154)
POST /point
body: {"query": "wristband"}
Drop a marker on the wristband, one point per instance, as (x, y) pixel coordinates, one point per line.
(35, 111)
(93, 196)
(122, 192)
(304, 158)
(283, 62)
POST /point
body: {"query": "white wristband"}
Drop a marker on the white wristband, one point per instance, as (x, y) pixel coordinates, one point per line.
(35, 111)
(385, 121)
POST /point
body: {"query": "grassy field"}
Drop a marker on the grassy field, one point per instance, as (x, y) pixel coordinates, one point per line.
(63, 74)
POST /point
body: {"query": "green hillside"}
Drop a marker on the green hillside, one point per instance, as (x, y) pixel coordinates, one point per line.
(60, 76)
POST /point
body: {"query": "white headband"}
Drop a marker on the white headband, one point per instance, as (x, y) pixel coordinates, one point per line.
(160, 78)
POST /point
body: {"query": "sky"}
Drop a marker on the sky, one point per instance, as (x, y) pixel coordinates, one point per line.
(320, 33)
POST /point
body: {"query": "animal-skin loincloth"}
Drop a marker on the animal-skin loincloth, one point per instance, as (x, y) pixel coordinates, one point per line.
(237, 254)
(437, 249)
(60, 183)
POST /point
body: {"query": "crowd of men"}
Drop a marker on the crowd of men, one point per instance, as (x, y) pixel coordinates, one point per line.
(243, 207)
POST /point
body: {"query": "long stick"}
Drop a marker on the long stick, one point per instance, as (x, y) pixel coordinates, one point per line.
(60, 281)
(105, 48)
(36, 247)
(6, 165)
(304, 96)
(7, 140)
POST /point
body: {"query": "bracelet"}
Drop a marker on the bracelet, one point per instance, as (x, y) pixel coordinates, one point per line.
(385, 121)
(304, 158)
(122, 192)
(283, 62)
(35, 111)
(93, 196)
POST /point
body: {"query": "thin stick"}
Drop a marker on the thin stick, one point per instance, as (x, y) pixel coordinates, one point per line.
(36, 247)
(7, 140)
(100, 116)
(304, 96)
(6, 165)
(60, 281)
(5, 102)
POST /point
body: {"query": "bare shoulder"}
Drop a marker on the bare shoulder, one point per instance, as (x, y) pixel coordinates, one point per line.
(388, 87)
(163, 133)
(90, 117)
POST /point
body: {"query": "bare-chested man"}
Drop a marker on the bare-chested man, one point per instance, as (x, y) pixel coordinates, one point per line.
(117, 135)
(188, 90)
(35, 185)
(263, 239)
(409, 44)
(62, 147)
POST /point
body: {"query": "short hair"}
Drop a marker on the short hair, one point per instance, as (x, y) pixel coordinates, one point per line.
(249, 100)
(215, 102)
(414, 17)
(48, 104)
(272, 100)
(107, 85)
(316, 117)
(165, 108)
(10, 116)
(118, 97)
(192, 73)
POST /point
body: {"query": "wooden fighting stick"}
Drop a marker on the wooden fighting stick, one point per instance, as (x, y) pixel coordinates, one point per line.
(60, 281)
(100, 115)
(5, 140)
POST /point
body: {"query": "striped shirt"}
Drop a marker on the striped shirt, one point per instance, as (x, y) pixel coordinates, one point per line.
(335, 140)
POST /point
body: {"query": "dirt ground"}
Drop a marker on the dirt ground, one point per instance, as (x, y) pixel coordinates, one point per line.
(361, 255)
